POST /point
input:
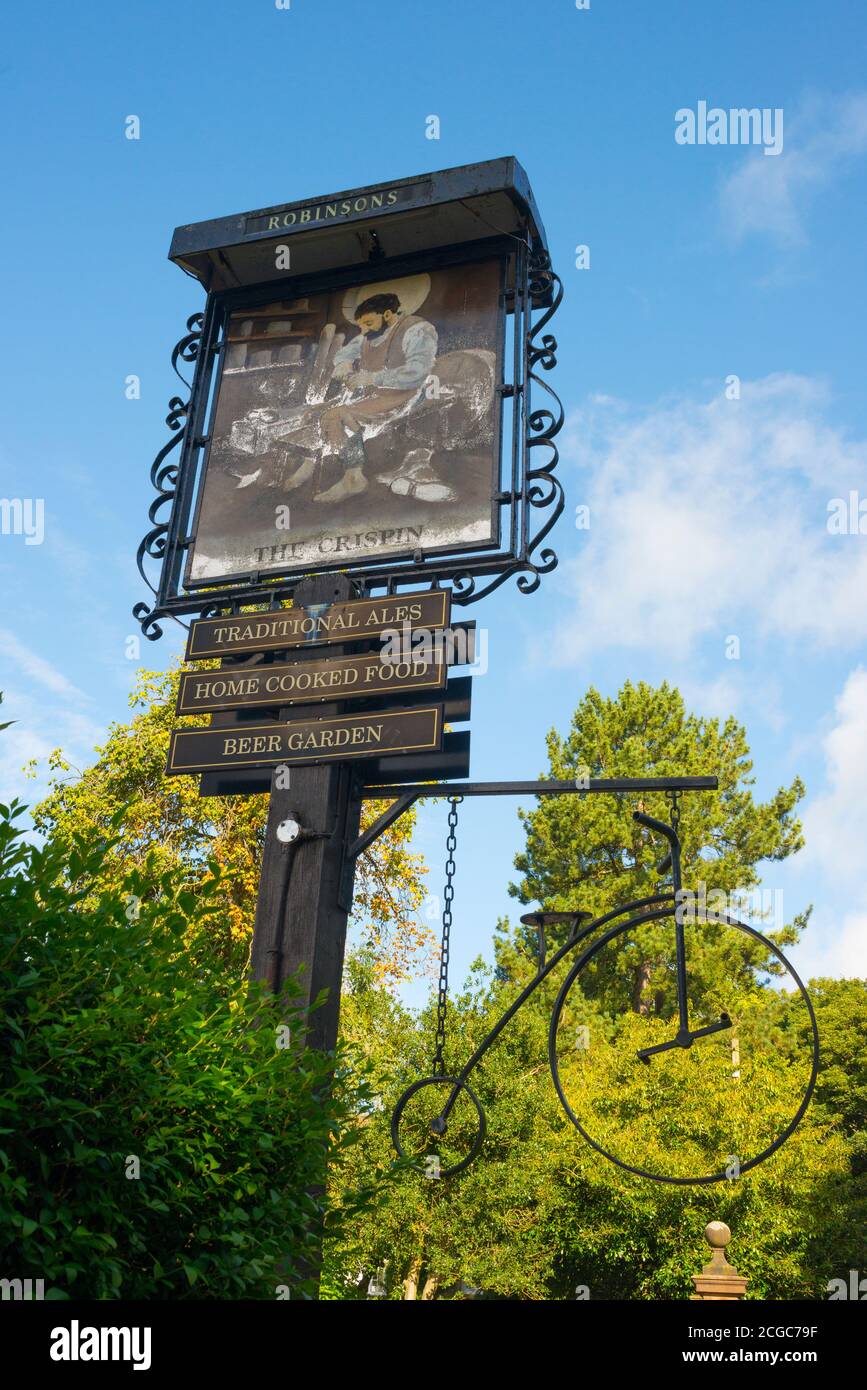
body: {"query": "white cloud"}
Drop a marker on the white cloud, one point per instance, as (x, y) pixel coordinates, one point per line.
(40, 723)
(772, 196)
(840, 952)
(17, 747)
(717, 697)
(711, 518)
(834, 821)
(35, 666)
(833, 857)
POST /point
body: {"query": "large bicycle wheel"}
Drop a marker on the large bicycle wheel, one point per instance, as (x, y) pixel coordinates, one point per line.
(699, 1111)
(439, 1125)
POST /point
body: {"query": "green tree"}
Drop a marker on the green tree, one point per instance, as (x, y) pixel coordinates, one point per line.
(588, 852)
(540, 1215)
(161, 1128)
(164, 820)
(841, 1096)
(841, 1012)
(540, 1212)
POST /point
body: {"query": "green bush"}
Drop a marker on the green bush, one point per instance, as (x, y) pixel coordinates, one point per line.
(127, 1048)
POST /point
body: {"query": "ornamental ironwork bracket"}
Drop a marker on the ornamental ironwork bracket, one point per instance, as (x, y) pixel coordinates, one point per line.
(164, 478)
(542, 490)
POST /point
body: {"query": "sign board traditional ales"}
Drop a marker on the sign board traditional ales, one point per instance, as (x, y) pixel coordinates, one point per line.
(299, 627)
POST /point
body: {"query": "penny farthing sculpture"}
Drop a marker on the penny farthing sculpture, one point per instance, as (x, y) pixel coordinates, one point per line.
(718, 1064)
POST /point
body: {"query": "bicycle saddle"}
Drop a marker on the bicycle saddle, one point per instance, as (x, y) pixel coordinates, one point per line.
(541, 920)
(552, 919)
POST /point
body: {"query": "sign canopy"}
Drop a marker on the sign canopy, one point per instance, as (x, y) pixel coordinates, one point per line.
(332, 231)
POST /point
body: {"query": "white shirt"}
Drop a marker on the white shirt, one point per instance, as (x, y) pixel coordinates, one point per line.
(419, 350)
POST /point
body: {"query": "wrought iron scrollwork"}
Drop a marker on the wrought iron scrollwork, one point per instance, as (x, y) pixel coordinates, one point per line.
(542, 490)
(164, 476)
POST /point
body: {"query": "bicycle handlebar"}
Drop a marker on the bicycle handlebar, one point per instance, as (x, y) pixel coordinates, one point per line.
(661, 828)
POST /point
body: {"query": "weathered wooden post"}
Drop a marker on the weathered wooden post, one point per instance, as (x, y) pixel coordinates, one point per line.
(719, 1281)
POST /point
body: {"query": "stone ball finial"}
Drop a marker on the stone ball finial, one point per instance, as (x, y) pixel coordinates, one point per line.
(717, 1235)
(718, 1279)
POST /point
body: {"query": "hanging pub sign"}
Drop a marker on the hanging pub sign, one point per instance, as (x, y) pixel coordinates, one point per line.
(361, 399)
(356, 424)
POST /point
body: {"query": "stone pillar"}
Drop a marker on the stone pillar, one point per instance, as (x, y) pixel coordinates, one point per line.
(718, 1281)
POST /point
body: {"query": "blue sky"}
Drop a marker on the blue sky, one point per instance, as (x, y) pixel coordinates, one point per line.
(708, 515)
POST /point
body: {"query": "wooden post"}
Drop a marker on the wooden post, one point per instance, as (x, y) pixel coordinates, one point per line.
(719, 1281)
(305, 890)
(304, 896)
(305, 883)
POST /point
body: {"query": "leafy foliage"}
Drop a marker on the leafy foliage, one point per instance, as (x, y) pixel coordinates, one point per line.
(589, 853)
(164, 820)
(541, 1214)
(155, 1141)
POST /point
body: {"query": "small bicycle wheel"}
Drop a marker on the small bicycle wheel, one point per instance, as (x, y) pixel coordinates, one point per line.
(700, 1107)
(439, 1145)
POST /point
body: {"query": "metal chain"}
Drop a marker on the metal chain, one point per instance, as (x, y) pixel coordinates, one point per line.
(439, 1065)
(674, 800)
